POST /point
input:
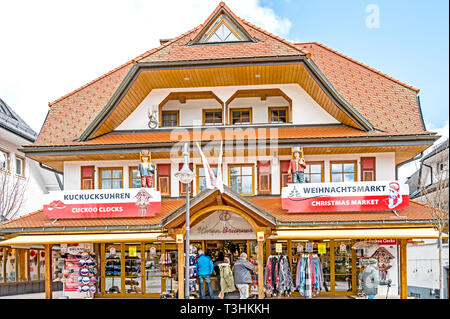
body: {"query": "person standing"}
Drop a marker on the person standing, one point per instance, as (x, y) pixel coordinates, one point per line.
(370, 279)
(226, 278)
(205, 268)
(297, 165)
(242, 276)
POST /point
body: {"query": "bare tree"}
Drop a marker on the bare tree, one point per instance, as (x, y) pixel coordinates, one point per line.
(12, 195)
(435, 195)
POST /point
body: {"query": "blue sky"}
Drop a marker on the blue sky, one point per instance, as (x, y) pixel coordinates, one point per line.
(411, 43)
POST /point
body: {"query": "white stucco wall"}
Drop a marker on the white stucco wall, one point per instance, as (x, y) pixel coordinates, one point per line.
(385, 166)
(304, 109)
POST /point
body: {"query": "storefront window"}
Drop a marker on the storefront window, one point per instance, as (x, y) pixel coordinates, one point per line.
(133, 268)
(241, 179)
(111, 178)
(112, 269)
(11, 275)
(41, 264)
(343, 171)
(153, 268)
(343, 266)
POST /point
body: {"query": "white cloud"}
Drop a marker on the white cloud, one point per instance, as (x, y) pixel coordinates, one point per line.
(50, 47)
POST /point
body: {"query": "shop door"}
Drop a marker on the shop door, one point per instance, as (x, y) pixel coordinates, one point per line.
(344, 268)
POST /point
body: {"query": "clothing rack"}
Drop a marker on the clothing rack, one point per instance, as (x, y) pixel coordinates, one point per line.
(309, 275)
(278, 276)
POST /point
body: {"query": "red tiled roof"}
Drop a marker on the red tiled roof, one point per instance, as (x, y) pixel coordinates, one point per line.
(415, 211)
(388, 104)
(120, 138)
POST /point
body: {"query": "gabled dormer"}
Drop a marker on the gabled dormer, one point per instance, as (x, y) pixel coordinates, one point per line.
(222, 27)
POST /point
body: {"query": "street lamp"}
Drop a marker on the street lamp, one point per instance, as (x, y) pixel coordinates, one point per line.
(185, 176)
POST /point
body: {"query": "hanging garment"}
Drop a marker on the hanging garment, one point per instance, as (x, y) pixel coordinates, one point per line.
(286, 285)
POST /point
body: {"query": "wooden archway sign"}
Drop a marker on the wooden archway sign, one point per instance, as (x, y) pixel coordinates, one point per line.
(210, 209)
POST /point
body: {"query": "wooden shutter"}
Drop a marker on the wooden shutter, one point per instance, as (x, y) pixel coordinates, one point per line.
(87, 177)
(285, 177)
(163, 174)
(182, 185)
(368, 169)
(264, 178)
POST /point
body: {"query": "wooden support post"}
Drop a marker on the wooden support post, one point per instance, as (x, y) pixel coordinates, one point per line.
(180, 248)
(403, 270)
(260, 257)
(48, 272)
(289, 252)
(5, 259)
(332, 269)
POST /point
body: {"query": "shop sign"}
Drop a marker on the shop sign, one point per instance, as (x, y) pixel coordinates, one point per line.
(299, 248)
(278, 248)
(342, 197)
(342, 248)
(309, 247)
(103, 203)
(322, 248)
(179, 238)
(223, 225)
(385, 241)
(132, 251)
(260, 235)
(112, 251)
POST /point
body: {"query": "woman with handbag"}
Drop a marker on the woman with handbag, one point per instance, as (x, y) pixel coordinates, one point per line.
(226, 279)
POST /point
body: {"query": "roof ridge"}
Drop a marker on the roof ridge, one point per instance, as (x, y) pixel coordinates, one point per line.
(361, 64)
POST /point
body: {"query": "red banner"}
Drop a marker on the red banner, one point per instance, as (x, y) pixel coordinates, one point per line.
(112, 203)
(342, 197)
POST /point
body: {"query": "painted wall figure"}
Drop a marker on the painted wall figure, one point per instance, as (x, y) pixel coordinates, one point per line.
(146, 169)
(297, 165)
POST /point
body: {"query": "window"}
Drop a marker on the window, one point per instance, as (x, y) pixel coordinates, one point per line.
(241, 179)
(111, 178)
(344, 171)
(87, 177)
(222, 34)
(134, 181)
(212, 117)
(182, 185)
(20, 166)
(4, 161)
(170, 118)
(264, 178)
(314, 172)
(241, 116)
(163, 174)
(368, 169)
(201, 181)
(278, 114)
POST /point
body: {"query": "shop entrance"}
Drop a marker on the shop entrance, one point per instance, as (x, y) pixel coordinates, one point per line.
(219, 249)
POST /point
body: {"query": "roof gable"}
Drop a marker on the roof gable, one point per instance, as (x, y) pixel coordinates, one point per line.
(221, 27)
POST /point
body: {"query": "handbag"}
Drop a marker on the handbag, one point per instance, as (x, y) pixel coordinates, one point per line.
(221, 295)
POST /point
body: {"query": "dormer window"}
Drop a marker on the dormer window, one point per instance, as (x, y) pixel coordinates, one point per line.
(222, 34)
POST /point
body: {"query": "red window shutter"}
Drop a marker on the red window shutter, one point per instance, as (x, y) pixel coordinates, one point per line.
(163, 174)
(368, 169)
(285, 177)
(264, 178)
(87, 177)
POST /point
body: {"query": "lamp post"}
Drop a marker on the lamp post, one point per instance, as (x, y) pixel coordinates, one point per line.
(185, 176)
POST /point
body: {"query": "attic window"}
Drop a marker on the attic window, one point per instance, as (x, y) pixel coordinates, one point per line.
(223, 34)
(2, 110)
(223, 29)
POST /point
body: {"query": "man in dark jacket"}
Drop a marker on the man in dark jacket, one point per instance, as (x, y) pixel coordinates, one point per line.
(205, 268)
(242, 277)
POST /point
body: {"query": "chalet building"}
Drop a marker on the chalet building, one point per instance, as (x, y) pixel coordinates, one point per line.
(232, 85)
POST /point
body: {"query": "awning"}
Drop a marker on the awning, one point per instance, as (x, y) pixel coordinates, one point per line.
(82, 238)
(397, 233)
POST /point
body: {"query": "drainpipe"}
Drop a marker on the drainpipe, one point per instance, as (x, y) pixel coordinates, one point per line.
(60, 184)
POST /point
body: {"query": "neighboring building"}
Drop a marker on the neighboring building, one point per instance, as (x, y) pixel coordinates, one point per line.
(14, 133)
(423, 260)
(229, 82)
